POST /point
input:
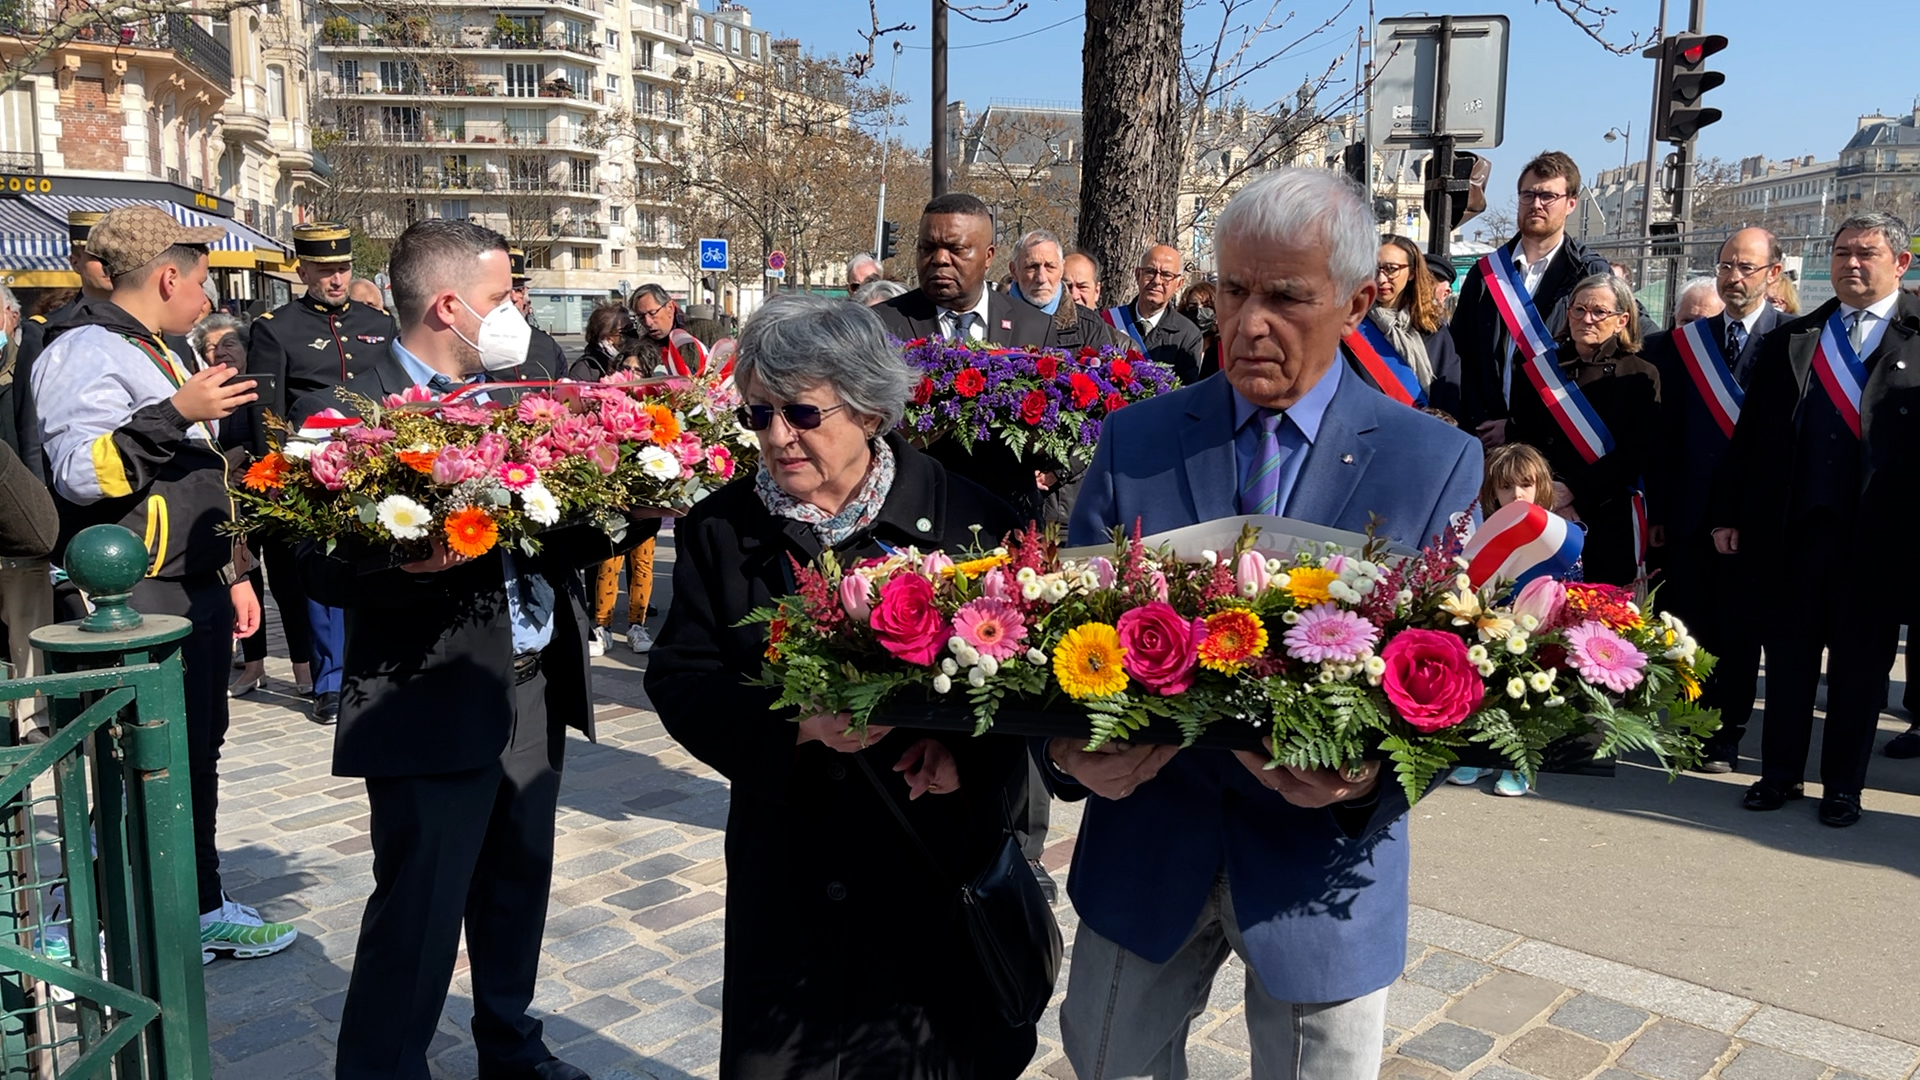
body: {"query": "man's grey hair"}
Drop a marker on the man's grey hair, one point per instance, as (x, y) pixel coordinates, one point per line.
(1033, 240)
(797, 341)
(1307, 205)
(865, 258)
(8, 300)
(877, 291)
(1890, 228)
(207, 327)
(652, 290)
(433, 256)
(1697, 285)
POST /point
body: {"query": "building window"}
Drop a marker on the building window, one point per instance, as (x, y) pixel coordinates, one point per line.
(699, 28)
(529, 174)
(540, 258)
(399, 77)
(526, 126)
(613, 39)
(615, 213)
(582, 174)
(523, 80)
(754, 41)
(733, 40)
(276, 91)
(401, 123)
(347, 74)
(613, 257)
(583, 258)
(454, 209)
(613, 85)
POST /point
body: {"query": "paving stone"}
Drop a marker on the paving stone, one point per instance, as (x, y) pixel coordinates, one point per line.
(1505, 1003)
(1395, 1068)
(1448, 972)
(264, 1033)
(667, 1022)
(573, 920)
(1862, 1052)
(598, 941)
(1449, 1046)
(657, 867)
(1761, 1063)
(696, 937)
(701, 969)
(654, 799)
(610, 971)
(710, 996)
(686, 909)
(1644, 989)
(283, 1059)
(1456, 934)
(1670, 1050)
(654, 992)
(597, 1013)
(1597, 1018)
(707, 873)
(1554, 1054)
(1408, 1004)
(593, 862)
(1501, 1072)
(646, 896)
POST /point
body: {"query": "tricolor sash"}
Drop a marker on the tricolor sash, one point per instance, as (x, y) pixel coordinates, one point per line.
(1840, 370)
(1569, 407)
(1519, 542)
(1388, 371)
(1121, 318)
(1700, 353)
(685, 353)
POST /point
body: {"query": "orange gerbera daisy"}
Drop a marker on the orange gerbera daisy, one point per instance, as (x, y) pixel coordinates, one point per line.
(420, 461)
(665, 427)
(1234, 636)
(471, 531)
(268, 472)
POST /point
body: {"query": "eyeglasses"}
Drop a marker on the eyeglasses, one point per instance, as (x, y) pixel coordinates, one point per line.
(1739, 270)
(1591, 314)
(650, 314)
(1150, 274)
(1390, 269)
(799, 417)
(1544, 198)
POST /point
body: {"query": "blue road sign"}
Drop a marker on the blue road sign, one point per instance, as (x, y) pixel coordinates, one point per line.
(713, 254)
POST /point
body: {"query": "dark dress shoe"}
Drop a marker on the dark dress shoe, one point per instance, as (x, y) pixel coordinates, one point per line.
(326, 707)
(555, 1069)
(1906, 744)
(1764, 796)
(1713, 763)
(1839, 811)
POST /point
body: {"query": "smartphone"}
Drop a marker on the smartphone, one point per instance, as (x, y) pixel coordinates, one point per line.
(266, 386)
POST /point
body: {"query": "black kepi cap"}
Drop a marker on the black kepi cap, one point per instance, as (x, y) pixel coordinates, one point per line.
(323, 242)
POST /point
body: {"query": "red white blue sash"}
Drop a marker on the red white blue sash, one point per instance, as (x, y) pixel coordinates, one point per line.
(1383, 365)
(1700, 353)
(1840, 370)
(1121, 318)
(1569, 407)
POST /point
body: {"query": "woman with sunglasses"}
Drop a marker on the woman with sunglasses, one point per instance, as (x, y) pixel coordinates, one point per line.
(1600, 354)
(1408, 315)
(843, 954)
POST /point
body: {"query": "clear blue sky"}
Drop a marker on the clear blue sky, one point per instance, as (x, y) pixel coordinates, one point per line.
(1795, 85)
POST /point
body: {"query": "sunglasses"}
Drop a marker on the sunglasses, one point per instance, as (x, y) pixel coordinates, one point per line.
(799, 417)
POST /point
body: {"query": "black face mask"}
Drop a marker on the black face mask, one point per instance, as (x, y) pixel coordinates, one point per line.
(1203, 318)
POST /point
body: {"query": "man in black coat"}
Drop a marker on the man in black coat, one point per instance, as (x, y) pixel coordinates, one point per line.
(94, 284)
(462, 676)
(1551, 263)
(545, 358)
(1714, 593)
(1166, 336)
(1038, 263)
(1816, 487)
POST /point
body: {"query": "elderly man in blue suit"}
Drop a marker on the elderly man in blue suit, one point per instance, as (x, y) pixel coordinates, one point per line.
(1186, 854)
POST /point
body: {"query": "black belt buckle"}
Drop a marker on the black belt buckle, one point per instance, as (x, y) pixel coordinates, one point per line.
(525, 667)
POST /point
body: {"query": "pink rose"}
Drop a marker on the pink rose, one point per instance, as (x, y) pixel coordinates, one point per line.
(687, 447)
(1250, 575)
(906, 621)
(1430, 680)
(541, 454)
(996, 586)
(856, 597)
(624, 420)
(329, 463)
(934, 563)
(576, 435)
(1543, 598)
(1162, 647)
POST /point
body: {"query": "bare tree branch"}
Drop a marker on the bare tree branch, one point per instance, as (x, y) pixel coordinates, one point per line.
(981, 12)
(860, 63)
(1592, 20)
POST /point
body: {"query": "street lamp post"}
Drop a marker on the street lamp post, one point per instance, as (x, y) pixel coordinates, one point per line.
(1626, 142)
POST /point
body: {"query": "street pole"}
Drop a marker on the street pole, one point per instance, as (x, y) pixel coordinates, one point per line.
(1653, 144)
(886, 144)
(940, 163)
(1440, 175)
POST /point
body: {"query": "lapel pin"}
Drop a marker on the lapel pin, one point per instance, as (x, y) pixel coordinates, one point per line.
(1346, 459)
(923, 525)
(1006, 324)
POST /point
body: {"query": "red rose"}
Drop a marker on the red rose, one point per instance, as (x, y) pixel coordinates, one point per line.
(1120, 371)
(1085, 391)
(1087, 352)
(924, 392)
(1162, 647)
(1114, 402)
(1430, 680)
(968, 382)
(1033, 408)
(907, 623)
(1046, 367)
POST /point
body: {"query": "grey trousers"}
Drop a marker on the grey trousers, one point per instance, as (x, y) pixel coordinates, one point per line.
(1127, 1018)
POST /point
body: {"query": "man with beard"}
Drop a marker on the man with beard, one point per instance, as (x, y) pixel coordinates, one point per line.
(1550, 263)
(1038, 265)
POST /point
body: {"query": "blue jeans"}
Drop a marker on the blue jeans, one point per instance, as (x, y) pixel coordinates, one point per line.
(1127, 1018)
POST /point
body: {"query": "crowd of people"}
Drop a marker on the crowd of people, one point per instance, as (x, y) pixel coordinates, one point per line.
(1327, 373)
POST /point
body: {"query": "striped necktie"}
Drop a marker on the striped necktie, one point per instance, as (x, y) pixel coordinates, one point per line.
(1260, 492)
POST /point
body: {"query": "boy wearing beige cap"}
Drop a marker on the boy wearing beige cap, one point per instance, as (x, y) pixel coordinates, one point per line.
(132, 439)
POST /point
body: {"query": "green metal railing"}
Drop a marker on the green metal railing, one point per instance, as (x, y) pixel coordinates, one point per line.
(99, 936)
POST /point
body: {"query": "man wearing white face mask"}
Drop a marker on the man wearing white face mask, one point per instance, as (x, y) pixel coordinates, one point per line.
(462, 676)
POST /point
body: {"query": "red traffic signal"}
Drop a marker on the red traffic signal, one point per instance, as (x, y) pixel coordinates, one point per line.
(1683, 82)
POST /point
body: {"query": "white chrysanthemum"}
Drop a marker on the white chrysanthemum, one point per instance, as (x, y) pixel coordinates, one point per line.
(1541, 681)
(1485, 668)
(949, 667)
(1057, 591)
(1036, 657)
(1031, 591)
(1517, 644)
(942, 684)
(989, 665)
(540, 505)
(1529, 623)
(965, 655)
(976, 677)
(1027, 575)
(403, 518)
(1555, 702)
(1376, 667)
(659, 464)
(956, 643)
(1211, 556)
(298, 449)
(1476, 653)
(1516, 688)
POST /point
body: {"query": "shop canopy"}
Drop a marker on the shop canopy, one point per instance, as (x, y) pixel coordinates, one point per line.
(33, 246)
(242, 247)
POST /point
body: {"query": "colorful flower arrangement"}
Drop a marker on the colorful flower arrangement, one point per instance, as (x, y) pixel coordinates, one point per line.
(1042, 403)
(476, 473)
(1332, 655)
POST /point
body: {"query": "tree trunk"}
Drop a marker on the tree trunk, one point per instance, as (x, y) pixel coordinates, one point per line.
(1131, 135)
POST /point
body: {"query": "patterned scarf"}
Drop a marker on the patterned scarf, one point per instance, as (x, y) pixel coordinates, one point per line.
(859, 512)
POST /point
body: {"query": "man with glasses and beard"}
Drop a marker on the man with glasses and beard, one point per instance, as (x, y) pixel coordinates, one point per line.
(1550, 263)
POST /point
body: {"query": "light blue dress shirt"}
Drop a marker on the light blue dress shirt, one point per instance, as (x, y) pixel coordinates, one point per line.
(530, 598)
(1296, 435)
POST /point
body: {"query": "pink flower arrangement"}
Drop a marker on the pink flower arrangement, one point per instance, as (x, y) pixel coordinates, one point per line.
(1430, 680)
(412, 395)
(1326, 633)
(470, 415)
(454, 465)
(1162, 647)
(991, 627)
(1604, 658)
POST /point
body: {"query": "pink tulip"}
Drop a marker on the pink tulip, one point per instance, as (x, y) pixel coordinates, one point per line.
(934, 563)
(856, 597)
(1103, 571)
(996, 586)
(1250, 575)
(1543, 598)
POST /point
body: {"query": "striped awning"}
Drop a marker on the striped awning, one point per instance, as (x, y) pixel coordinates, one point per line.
(240, 239)
(31, 239)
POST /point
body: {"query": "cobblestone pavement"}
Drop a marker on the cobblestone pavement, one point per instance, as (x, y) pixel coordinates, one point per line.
(630, 980)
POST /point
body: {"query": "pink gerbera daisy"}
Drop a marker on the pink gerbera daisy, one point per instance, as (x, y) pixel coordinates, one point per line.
(1604, 658)
(518, 476)
(992, 627)
(540, 409)
(1325, 633)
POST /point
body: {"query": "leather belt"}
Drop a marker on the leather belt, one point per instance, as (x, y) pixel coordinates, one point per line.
(525, 667)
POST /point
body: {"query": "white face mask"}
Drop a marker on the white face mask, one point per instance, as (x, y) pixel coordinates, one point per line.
(504, 336)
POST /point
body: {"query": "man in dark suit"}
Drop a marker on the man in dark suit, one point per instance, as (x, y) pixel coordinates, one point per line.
(1714, 593)
(1165, 335)
(545, 358)
(1550, 262)
(462, 676)
(1037, 266)
(1818, 482)
(1185, 854)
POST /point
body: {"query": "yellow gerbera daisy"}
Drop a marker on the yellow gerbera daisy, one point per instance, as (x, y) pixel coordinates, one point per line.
(973, 568)
(1308, 584)
(1689, 685)
(1087, 661)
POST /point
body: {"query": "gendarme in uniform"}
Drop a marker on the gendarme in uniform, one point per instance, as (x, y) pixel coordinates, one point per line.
(309, 345)
(545, 358)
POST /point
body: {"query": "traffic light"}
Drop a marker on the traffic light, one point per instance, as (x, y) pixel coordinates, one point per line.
(1470, 173)
(1683, 81)
(711, 283)
(888, 232)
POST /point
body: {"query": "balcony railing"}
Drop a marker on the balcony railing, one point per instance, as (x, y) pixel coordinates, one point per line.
(174, 33)
(585, 230)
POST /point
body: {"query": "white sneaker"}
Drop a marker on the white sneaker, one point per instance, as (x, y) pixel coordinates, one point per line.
(597, 644)
(639, 640)
(238, 931)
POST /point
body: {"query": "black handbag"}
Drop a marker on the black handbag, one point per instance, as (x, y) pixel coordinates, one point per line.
(1007, 919)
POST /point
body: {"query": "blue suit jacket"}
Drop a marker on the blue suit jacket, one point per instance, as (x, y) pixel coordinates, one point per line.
(1323, 912)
